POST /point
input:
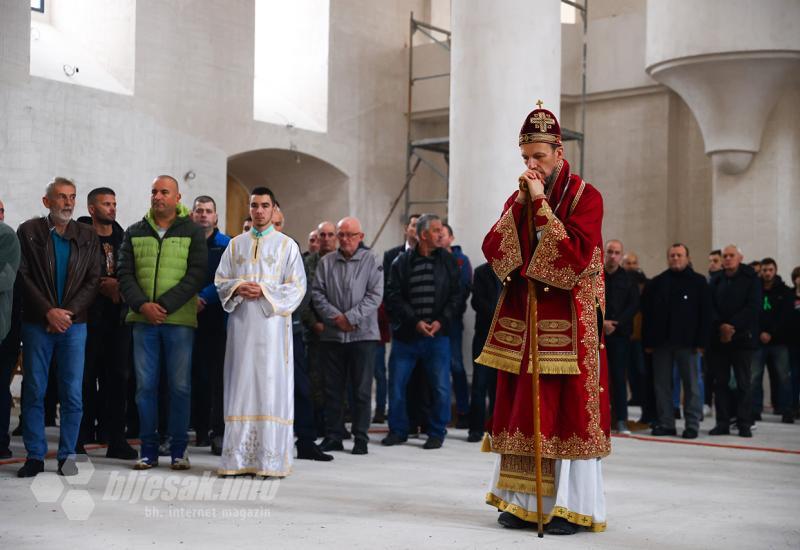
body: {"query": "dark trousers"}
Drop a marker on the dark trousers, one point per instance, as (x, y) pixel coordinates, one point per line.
(722, 360)
(484, 384)
(618, 349)
(9, 352)
(418, 400)
(208, 361)
(348, 365)
(794, 362)
(106, 373)
(664, 358)
(303, 406)
(649, 414)
(316, 376)
(636, 378)
(380, 378)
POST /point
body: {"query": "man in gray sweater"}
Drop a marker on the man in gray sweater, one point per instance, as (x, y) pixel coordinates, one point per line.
(346, 292)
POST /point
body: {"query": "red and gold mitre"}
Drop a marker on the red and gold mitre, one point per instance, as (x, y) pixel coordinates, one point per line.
(540, 126)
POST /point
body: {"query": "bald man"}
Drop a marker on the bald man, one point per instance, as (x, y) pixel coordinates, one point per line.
(622, 303)
(162, 267)
(346, 292)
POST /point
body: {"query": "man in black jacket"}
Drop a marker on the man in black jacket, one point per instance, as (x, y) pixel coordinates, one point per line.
(776, 306)
(676, 318)
(622, 303)
(108, 340)
(735, 300)
(422, 299)
(486, 290)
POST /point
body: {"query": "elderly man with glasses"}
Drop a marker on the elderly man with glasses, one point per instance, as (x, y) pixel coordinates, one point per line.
(346, 292)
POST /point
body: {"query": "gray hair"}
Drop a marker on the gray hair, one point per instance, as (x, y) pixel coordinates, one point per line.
(58, 180)
(424, 222)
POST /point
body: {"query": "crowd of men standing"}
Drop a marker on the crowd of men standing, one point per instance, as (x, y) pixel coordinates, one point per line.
(709, 336)
(94, 303)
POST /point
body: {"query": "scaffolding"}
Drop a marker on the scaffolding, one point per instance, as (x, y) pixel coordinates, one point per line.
(441, 145)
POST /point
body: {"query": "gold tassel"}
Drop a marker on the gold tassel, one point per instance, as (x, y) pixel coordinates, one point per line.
(558, 367)
(491, 360)
(486, 444)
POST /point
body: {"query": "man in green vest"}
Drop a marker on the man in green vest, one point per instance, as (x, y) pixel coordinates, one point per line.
(162, 266)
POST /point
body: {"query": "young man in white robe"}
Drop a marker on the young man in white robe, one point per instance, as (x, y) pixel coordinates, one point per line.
(260, 281)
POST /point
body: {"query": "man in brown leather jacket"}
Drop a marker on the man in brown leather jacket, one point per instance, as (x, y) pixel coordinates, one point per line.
(59, 276)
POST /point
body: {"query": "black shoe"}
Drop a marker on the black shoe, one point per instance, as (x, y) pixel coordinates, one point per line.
(744, 431)
(720, 430)
(359, 447)
(393, 439)
(347, 434)
(510, 521)
(677, 417)
(462, 423)
(658, 431)
(560, 526)
(121, 450)
(308, 450)
(329, 445)
(689, 433)
(474, 437)
(216, 445)
(201, 441)
(787, 418)
(31, 468)
(380, 417)
(67, 467)
(433, 443)
(6, 453)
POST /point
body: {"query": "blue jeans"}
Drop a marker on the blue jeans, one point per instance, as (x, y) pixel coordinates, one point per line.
(69, 350)
(175, 342)
(434, 356)
(380, 378)
(460, 385)
(777, 360)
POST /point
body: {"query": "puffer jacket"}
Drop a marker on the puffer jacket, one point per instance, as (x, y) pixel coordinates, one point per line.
(169, 271)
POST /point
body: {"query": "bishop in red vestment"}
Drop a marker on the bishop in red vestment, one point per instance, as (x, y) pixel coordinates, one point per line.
(553, 323)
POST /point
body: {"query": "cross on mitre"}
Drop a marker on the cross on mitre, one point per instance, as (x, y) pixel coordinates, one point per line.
(542, 122)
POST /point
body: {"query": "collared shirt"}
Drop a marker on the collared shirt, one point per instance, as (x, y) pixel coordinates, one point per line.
(258, 234)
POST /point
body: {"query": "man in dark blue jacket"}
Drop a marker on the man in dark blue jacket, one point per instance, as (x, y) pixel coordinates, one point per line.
(676, 318)
(208, 356)
(422, 299)
(735, 301)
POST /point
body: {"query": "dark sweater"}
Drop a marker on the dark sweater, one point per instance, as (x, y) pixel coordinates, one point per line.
(676, 310)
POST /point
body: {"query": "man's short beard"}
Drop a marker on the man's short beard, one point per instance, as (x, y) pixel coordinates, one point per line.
(59, 215)
(103, 221)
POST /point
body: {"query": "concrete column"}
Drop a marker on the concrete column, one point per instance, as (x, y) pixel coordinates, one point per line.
(506, 54)
(735, 64)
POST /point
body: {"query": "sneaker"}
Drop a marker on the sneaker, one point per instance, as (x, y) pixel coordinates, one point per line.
(433, 443)
(622, 427)
(145, 463)
(360, 447)
(180, 462)
(719, 430)
(31, 468)
(393, 439)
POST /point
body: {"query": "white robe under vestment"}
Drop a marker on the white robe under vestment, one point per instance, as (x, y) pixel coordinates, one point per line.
(259, 366)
